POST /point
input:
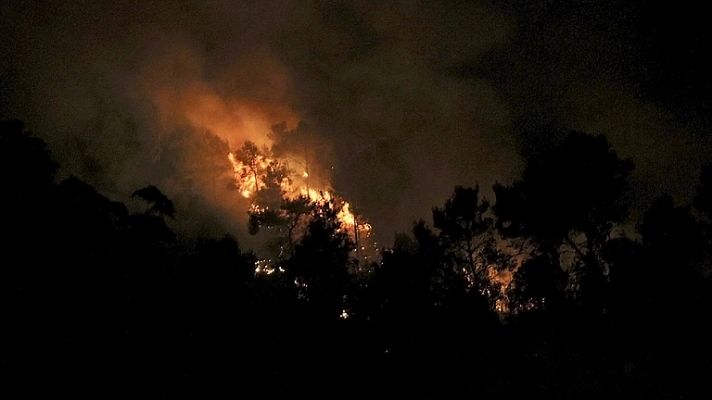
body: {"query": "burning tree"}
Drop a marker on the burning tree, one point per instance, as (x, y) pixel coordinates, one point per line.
(257, 173)
(283, 200)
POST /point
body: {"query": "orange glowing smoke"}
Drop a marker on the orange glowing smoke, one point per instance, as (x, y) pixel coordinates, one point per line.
(233, 120)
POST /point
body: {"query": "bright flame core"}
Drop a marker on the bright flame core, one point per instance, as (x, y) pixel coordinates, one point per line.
(250, 181)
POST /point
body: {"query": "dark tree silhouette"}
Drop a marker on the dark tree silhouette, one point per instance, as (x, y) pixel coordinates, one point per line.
(578, 185)
(673, 235)
(25, 163)
(464, 229)
(573, 194)
(320, 264)
(158, 203)
(99, 302)
(289, 220)
(537, 285)
(27, 173)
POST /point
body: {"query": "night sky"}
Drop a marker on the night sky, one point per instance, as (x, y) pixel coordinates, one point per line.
(396, 103)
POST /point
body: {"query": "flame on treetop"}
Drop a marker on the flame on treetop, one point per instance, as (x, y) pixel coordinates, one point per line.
(267, 180)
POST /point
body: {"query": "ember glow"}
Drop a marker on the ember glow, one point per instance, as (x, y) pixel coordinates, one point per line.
(501, 280)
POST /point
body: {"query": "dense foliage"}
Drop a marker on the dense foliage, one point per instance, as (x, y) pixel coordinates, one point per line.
(100, 302)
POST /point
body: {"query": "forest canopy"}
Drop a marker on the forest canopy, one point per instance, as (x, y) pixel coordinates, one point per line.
(540, 290)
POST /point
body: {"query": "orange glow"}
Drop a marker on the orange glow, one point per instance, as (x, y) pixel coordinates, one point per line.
(294, 186)
(501, 280)
(232, 119)
(201, 107)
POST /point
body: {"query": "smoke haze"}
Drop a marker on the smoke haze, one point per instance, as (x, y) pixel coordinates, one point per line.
(395, 103)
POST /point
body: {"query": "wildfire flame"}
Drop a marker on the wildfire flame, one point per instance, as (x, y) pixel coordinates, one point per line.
(249, 182)
(257, 172)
